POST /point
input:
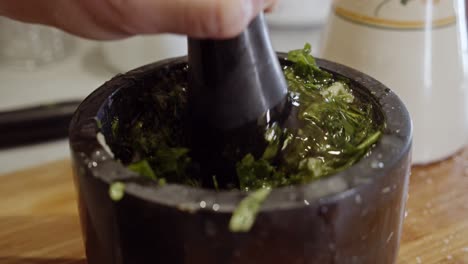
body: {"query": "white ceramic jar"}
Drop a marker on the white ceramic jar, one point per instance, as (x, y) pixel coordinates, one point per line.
(419, 50)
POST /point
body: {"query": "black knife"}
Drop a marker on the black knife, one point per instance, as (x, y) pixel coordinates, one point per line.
(36, 124)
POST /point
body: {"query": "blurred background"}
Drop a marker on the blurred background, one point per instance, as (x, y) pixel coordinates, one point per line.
(44, 66)
(51, 72)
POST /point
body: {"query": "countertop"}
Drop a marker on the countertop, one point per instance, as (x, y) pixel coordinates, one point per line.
(39, 221)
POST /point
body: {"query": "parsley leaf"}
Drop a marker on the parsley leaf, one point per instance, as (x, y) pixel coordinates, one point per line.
(244, 216)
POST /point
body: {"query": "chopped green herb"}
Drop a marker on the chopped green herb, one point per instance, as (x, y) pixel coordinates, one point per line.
(334, 128)
(370, 141)
(246, 212)
(162, 182)
(256, 174)
(215, 183)
(98, 123)
(336, 131)
(306, 67)
(117, 191)
(115, 127)
(192, 182)
(143, 168)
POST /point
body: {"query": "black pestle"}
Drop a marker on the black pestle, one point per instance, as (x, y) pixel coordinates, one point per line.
(235, 81)
(236, 87)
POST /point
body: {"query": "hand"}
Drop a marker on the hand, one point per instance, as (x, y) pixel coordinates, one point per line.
(114, 19)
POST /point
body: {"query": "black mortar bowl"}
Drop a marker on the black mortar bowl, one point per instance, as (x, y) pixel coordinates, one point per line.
(352, 217)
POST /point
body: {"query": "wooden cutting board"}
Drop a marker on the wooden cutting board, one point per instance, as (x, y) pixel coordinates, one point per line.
(39, 220)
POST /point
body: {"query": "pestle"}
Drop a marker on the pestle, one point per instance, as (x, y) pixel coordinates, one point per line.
(236, 86)
(235, 81)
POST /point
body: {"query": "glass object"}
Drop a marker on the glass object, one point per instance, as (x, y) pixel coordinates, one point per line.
(124, 55)
(419, 50)
(29, 46)
(295, 22)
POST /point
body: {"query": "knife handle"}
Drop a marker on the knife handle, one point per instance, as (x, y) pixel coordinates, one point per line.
(36, 124)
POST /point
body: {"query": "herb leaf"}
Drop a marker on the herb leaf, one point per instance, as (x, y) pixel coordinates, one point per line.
(305, 64)
(143, 168)
(255, 174)
(115, 127)
(215, 183)
(244, 216)
(117, 191)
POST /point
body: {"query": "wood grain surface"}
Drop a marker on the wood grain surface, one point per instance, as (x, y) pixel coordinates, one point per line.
(39, 220)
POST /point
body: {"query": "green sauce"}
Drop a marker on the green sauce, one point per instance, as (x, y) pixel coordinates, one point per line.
(332, 130)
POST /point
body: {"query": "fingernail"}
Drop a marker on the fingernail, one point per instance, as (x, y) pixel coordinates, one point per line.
(270, 6)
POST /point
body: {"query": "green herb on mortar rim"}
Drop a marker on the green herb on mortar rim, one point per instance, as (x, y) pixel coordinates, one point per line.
(117, 191)
(243, 218)
(143, 168)
(115, 127)
(98, 123)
